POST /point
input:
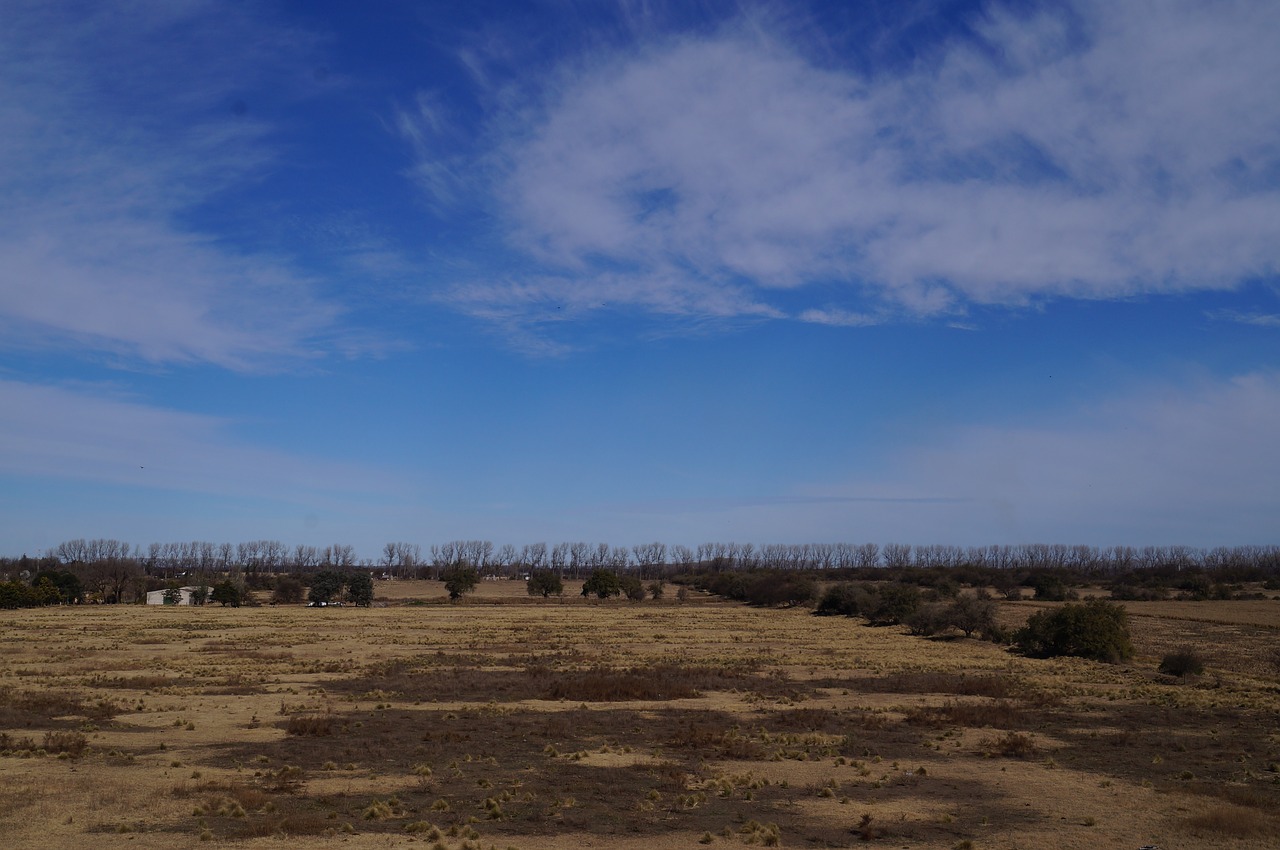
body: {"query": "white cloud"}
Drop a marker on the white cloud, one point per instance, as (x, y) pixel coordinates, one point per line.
(839, 318)
(1097, 152)
(118, 123)
(81, 435)
(1189, 466)
(1261, 320)
(1196, 465)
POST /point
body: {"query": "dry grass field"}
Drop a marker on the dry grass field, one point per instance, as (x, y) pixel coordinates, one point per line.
(509, 722)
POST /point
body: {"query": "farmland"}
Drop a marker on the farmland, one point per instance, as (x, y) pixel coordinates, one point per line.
(511, 722)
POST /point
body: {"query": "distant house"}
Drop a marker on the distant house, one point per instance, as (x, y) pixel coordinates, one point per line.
(156, 597)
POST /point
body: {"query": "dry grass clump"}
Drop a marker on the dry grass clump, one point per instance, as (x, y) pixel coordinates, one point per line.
(71, 743)
(960, 684)
(601, 684)
(1233, 821)
(711, 734)
(220, 794)
(1010, 745)
(142, 682)
(1000, 714)
(311, 725)
(383, 809)
(26, 707)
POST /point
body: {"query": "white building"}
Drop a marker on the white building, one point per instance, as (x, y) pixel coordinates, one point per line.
(156, 597)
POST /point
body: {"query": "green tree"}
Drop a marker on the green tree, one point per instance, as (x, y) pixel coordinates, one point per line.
(656, 589)
(172, 595)
(544, 583)
(360, 588)
(460, 579)
(325, 585)
(225, 593)
(897, 602)
(846, 598)
(603, 583)
(1095, 629)
(67, 583)
(970, 614)
(288, 591)
(632, 588)
(14, 594)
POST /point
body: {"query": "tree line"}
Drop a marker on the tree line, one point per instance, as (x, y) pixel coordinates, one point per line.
(578, 559)
(110, 570)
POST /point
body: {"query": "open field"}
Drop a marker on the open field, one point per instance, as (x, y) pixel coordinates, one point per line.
(556, 724)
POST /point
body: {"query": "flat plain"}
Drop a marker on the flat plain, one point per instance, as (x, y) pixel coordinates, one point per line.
(505, 721)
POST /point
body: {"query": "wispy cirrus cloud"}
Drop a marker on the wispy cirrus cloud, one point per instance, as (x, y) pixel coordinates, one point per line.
(120, 123)
(1147, 467)
(1261, 320)
(1096, 150)
(82, 433)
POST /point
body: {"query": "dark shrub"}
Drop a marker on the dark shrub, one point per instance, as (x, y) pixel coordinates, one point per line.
(325, 585)
(545, 583)
(288, 591)
(897, 602)
(1095, 629)
(970, 614)
(360, 588)
(928, 620)
(602, 583)
(632, 588)
(1184, 662)
(459, 580)
(1050, 588)
(225, 593)
(841, 599)
(776, 588)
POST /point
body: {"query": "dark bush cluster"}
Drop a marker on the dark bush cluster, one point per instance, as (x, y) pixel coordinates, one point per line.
(1095, 629)
(16, 594)
(925, 614)
(1184, 662)
(766, 588)
(327, 584)
(545, 583)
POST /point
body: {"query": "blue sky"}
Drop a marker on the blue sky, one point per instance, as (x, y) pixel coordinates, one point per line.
(958, 273)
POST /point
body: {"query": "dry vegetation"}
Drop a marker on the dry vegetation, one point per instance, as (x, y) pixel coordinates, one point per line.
(539, 724)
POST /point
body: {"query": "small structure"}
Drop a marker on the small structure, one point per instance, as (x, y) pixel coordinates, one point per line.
(157, 597)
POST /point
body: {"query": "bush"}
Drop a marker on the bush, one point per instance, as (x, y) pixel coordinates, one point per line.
(897, 602)
(459, 580)
(1051, 588)
(775, 588)
(844, 599)
(1096, 629)
(288, 591)
(360, 588)
(632, 588)
(1184, 662)
(929, 620)
(603, 583)
(225, 593)
(970, 614)
(544, 583)
(325, 585)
